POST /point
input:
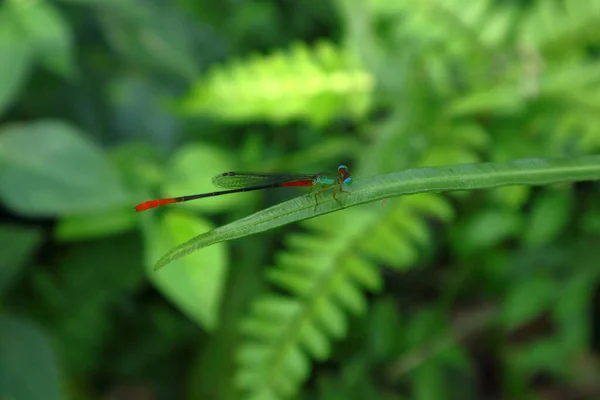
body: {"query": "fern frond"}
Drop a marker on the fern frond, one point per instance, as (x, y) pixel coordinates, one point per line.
(311, 83)
(457, 25)
(577, 128)
(456, 44)
(563, 83)
(562, 26)
(325, 272)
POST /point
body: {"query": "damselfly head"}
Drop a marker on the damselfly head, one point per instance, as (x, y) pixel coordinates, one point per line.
(344, 175)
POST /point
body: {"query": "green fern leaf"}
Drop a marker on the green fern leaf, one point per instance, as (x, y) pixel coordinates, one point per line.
(316, 84)
(315, 341)
(328, 270)
(458, 25)
(561, 27)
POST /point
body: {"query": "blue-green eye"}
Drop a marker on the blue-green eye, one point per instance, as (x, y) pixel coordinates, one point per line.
(348, 181)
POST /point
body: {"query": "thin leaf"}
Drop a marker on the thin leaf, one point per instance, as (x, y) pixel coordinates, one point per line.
(434, 179)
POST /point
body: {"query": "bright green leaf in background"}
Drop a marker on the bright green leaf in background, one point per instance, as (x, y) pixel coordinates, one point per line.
(575, 303)
(549, 217)
(138, 164)
(316, 84)
(512, 196)
(190, 171)
(384, 326)
(153, 34)
(139, 112)
(545, 355)
(196, 283)
(528, 299)
(95, 225)
(48, 168)
(28, 368)
(42, 28)
(18, 243)
(486, 229)
(15, 59)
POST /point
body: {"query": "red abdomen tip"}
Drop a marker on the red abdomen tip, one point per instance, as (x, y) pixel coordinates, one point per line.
(153, 203)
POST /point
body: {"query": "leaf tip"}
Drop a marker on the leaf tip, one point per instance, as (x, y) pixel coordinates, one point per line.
(159, 264)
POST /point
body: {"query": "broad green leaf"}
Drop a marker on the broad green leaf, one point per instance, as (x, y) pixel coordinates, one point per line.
(549, 216)
(112, 3)
(49, 168)
(431, 204)
(547, 354)
(419, 180)
(18, 243)
(471, 135)
(591, 223)
(384, 329)
(527, 299)
(445, 155)
(139, 164)
(486, 229)
(151, 34)
(496, 31)
(500, 100)
(138, 115)
(191, 171)
(15, 61)
(196, 285)
(43, 28)
(572, 311)
(424, 327)
(511, 196)
(428, 381)
(28, 367)
(95, 225)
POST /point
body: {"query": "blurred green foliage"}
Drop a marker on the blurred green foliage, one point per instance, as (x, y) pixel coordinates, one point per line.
(106, 103)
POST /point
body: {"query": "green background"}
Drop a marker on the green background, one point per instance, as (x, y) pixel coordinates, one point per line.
(464, 295)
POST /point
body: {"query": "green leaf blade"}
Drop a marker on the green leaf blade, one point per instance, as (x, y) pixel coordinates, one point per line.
(45, 30)
(15, 62)
(28, 367)
(18, 245)
(197, 291)
(49, 168)
(419, 180)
